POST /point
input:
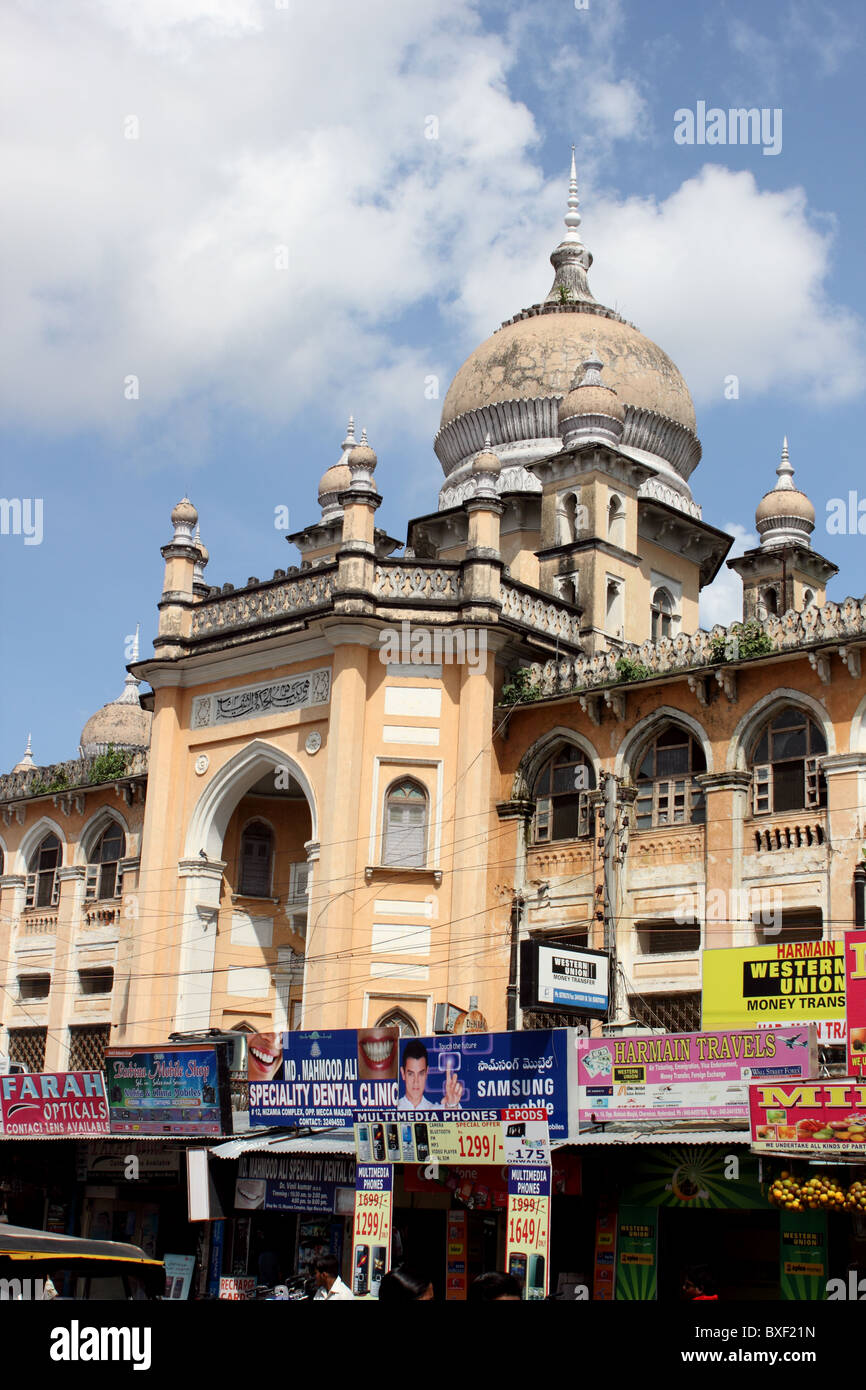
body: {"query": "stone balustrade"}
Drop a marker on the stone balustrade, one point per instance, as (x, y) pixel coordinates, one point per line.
(68, 778)
(531, 609)
(417, 581)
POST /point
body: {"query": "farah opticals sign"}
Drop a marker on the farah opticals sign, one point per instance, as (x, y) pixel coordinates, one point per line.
(255, 701)
(565, 978)
(59, 1103)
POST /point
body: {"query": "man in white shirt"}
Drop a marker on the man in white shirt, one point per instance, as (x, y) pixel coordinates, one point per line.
(330, 1284)
(416, 1065)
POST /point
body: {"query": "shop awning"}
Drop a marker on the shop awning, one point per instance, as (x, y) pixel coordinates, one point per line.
(331, 1141)
(593, 1139)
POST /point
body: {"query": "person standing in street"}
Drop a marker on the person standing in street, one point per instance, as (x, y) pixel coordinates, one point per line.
(330, 1285)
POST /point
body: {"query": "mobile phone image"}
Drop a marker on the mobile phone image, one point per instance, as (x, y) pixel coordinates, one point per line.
(365, 1153)
(380, 1257)
(393, 1141)
(517, 1267)
(378, 1144)
(517, 1131)
(535, 1282)
(362, 1269)
(408, 1141)
(422, 1143)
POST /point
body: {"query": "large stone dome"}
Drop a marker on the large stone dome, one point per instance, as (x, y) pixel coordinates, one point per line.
(512, 385)
(116, 725)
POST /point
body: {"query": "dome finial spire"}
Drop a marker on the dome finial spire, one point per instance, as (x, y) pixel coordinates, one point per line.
(572, 217)
(571, 260)
(784, 472)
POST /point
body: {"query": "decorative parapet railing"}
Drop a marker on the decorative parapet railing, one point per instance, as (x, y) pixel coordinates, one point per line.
(531, 609)
(35, 922)
(281, 597)
(424, 583)
(69, 778)
(841, 623)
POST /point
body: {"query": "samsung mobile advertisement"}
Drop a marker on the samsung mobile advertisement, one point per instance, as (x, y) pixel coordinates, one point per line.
(687, 1076)
(323, 1078)
(371, 1235)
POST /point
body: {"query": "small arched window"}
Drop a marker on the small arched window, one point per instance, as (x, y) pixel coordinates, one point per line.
(43, 885)
(396, 1018)
(784, 761)
(769, 601)
(104, 878)
(561, 796)
(616, 521)
(257, 860)
(808, 597)
(662, 614)
(405, 831)
(667, 793)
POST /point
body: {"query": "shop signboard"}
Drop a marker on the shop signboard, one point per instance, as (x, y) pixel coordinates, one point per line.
(424, 1136)
(171, 1088)
(112, 1161)
(855, 996)
(568, 978)
(636, 1241)
(791, 982)
(371, 1235)
(803, 1255)
(33, 1105)
(237, 1287)
(687, 1076)
(480, 1187)
(323, 1078)
(528, 1229)
(809, 1119)
(292, 1182)
(700, 1176)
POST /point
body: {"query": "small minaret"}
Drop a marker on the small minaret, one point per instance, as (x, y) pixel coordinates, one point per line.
(26, 763)
(482, 569)
(783, 573)
(181, 556)
(129, 694)
(357, 551)
(200, 585)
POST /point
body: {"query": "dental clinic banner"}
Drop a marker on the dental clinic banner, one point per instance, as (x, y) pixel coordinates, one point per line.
(322, 1079)
(687, 1076)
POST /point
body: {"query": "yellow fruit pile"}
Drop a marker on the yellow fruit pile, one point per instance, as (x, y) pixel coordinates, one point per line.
(820, 1192)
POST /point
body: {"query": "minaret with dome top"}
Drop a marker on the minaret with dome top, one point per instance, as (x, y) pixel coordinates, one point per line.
(783, 573)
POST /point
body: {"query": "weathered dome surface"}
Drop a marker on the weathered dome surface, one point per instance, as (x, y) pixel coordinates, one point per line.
(335, 479)
(784, 513)
(184, 512)
(591, 400)
(787, 502)
(119, 724)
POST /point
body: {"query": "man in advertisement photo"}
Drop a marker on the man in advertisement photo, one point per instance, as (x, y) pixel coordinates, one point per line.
(415, 1070)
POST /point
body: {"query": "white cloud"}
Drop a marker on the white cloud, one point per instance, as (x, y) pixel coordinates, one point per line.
(722, 601)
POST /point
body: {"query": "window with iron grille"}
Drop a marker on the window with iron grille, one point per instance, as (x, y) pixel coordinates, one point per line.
(674, 1013)
(87, 1047)
(807, 924)
(561, 792)
(663, 938)
(666, 791)
(27, 1046)
(396, 1018)
(104, 878)
(785, 773)
(34, 986)
(98, 980)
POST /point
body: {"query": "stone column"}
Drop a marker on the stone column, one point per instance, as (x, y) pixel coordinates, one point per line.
(64, 976)
(727, 799)
(202, 880)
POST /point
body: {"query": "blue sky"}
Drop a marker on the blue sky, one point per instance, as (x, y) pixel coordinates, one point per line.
(256, 127)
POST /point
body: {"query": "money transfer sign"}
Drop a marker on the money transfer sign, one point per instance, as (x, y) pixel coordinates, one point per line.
(809, 1119)
(855, 1007)
(65, 1102)
(687, 1076)
(793, 982)
(323, 1078)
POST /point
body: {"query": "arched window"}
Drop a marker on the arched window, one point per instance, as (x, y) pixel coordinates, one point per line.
(396, 1018)
(404, 838)
(616, 521)
(769, 600)
(662, 615)
(808, 597)
(104, 878)
(561, 796)
(43, 886)
(257, 860)
(666, 791)
(785, 764)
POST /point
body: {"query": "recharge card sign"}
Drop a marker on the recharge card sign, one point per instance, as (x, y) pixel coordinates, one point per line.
(687, 1076)
(321, 1079)
(67, 1102)
(810, 1119)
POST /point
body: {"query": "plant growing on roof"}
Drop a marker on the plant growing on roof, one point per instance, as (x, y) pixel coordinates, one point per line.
(519, 688)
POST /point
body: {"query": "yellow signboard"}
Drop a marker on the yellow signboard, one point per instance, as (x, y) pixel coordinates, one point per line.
(794, 982)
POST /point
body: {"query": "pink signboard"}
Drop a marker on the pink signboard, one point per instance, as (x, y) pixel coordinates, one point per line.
(62, 1102)
(809, 1119)
(855, 1001)
(686, 1076)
